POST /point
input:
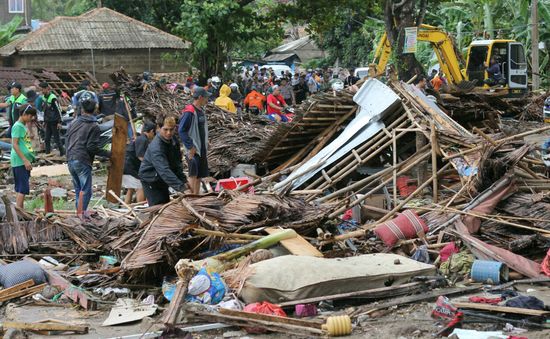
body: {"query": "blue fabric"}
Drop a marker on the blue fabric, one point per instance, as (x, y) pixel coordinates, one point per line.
(21, 177)
(82, 181)
(5, 146)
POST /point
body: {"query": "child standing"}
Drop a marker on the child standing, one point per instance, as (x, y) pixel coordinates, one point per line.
(22, 153)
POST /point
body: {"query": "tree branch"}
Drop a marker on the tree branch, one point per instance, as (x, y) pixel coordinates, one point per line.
(421, 12)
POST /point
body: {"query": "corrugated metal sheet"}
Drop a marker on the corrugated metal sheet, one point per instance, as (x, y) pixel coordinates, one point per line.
(279, 57)
(99, 29)
(291, 46)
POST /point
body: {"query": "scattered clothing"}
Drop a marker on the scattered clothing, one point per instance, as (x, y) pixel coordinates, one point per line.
(524, 301)
(482, 300)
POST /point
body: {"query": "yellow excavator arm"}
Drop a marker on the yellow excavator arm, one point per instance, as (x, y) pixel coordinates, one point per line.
(443, 47)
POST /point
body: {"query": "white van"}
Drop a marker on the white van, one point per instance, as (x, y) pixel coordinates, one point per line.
(278, 68)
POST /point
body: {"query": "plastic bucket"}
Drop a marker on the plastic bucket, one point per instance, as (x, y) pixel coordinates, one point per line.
(489, 271)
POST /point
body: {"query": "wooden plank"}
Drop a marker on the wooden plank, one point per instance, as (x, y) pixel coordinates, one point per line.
(20, 293)
(50, 171)
(118, 150)
(60, 327)
(496, 308)
(378, 293)
(17, 287)
(431, 295)
(297, 245)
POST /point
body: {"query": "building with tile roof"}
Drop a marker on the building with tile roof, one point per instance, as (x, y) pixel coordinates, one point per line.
(99, 41)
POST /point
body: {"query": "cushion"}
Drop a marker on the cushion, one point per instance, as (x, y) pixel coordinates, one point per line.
(21, 271)
(405, 226)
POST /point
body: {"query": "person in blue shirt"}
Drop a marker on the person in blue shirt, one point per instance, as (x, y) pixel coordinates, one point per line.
(495, 73)
(193, 132)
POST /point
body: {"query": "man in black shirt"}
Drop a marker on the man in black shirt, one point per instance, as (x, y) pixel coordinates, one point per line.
(107, 100)
(52, 118)
(162, 165)
(134, 155)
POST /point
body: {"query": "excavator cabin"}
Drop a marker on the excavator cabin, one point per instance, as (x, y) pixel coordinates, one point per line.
(509, 54)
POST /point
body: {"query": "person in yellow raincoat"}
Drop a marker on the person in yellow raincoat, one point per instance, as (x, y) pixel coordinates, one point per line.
(224, 101)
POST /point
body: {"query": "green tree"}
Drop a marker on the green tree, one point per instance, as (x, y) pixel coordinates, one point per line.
(344, 29)
(7, 31)
(47, 10)
(221, 29)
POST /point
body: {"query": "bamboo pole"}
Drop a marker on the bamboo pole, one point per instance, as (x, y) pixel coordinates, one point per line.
(349, 160)
(359, 200)
(433, 142)
(411, 196)
(500, 141)
(361, 183)
(394, 151)
(340, 175)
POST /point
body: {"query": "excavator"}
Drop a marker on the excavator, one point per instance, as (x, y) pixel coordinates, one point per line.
(510, 54)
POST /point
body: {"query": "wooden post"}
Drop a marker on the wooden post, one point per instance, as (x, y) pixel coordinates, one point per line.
(118, 150)
(422, 168)
(48, 201)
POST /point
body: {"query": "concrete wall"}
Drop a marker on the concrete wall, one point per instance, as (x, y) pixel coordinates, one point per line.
(106, 61)
(6, 16)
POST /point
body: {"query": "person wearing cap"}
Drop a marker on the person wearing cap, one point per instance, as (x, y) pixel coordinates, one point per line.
(162, 167)
(52, 118)
(85, 86)
(135, 152)
(16, 100)
(193, 132)
(22, 154)
(107, 101)
(83, 144)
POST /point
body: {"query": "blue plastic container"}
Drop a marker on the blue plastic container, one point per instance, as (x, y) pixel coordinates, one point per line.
(489, 271)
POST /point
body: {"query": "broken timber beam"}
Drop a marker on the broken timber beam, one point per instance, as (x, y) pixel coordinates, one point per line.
(118, 151)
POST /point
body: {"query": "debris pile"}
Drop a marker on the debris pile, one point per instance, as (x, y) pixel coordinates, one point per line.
(374, 200)
(233, 139)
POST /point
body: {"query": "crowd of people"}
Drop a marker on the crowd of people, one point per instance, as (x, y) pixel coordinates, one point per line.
(260, 90)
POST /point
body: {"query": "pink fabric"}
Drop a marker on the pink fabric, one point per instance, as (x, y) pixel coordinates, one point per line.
(484, 251)
(486, 207)
(447, 251)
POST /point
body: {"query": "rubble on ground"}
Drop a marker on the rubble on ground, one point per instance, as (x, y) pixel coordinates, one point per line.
(375, 202)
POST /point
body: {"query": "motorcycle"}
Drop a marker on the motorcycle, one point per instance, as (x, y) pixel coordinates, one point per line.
(105, 127)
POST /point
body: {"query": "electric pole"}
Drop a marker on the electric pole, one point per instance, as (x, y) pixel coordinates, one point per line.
(535, 44)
